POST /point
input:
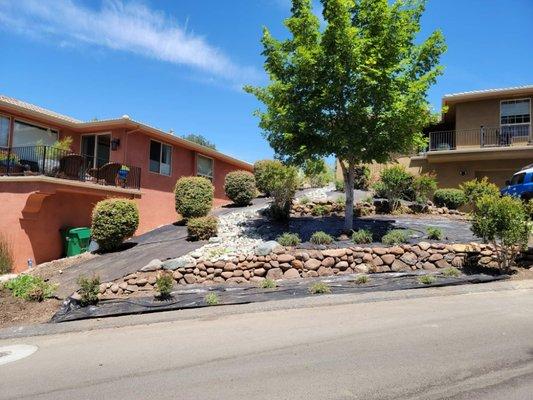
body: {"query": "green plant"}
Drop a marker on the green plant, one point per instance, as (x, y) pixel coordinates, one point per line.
(434, 233)
(113, 221)
(202, 228)
(163, 284)
(304, 200)
(395, 184)
(362, 177)
(283, 185)
(263, 170)
(320, 237)
(268, 283)
(5, 156)
(424, 186)
(89, 289)
(288, 239)
(211, 299)
(362, 236)
(339, 185)
(317, 173)
(451, 272)
(475, 189)
(427, 279)
(320, 210)
(340, 200)
(217, 252)
(319, 288)
(368, 199)
(240, 187)
(451, 198)
(395, 236)
(30, 288)
(194, 196)
(199, 139)
(504, 222)
(362, 279)
(6, 255)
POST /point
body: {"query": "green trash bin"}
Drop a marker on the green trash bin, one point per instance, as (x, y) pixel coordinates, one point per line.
(77, 241)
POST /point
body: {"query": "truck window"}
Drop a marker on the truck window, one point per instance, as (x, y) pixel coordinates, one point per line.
(518, 179)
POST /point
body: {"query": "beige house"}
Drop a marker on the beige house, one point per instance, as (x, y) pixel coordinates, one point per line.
(482, 133)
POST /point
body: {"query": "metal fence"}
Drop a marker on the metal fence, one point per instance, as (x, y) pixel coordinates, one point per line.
(64, 164)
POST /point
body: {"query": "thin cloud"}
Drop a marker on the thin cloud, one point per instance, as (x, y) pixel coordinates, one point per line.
(123, 26)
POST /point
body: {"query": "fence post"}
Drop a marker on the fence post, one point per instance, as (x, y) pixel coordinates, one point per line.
(482, 136)
(44, 159)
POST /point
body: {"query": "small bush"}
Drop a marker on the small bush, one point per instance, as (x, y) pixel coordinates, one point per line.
(368, 200)
(362, 177)
(434, 233)
(263, 170)
(319, 288)
(283, 185)
(340, 200)
(194, 196)
(288, 239)
(476, 189)
(6, 255)
(339, 185)
(362, 236)
(362, 279)
(30, 288)
(268, 283)
(113, 221)
(424, 187)
(320, 237)
(451, 198)
(89, 289)
(163, 284)
(211, 299)
(202, 228)
(427, 279)
(317, 173)
(451, 272)
(239, 186)
(304, 200)
(320, 210)
(395, 184)
(395, 236)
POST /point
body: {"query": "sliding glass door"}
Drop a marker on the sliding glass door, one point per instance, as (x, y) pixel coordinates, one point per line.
(96, 148)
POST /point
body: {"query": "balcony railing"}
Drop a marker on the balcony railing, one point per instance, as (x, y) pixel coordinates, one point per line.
(504, 136)
(64, 164)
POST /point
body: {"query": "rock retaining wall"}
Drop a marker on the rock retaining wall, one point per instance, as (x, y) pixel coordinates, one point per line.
(293, 263)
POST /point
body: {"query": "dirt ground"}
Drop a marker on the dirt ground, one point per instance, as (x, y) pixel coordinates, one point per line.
(15, 312)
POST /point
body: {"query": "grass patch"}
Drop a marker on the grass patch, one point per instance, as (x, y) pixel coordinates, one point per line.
(288, 239)
(211, 299)
(30, 288)
(451, 272)
(395, 236)
(362, 236)
(427, 279)
(320, 237)
(319, 288)
(362, 279)
(268, 284)
(434, 233)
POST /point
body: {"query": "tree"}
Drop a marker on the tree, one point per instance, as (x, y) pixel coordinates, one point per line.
(356, 89)
(199, 139)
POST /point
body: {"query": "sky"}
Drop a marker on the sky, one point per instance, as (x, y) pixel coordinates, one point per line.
(180, 64)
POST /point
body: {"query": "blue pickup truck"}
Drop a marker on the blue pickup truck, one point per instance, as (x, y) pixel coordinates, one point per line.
(521, 184)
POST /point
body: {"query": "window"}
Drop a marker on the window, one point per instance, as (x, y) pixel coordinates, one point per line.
(25, 134)
(96, 148)
(204, 166)
(518, 179)
(4, 131)
(160, 158)
(515, 117)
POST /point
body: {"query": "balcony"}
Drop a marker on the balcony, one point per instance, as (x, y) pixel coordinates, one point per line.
(64, 164)
(483, 137)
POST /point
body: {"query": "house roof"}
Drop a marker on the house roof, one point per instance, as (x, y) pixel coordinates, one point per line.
(124, 121)
(477, 94)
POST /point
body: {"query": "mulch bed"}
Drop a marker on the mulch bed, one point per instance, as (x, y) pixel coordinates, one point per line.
(14, 311)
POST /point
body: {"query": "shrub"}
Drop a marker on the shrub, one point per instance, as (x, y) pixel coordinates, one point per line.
(362, 279)
(317, 173)
(164, 283)
(320, 237)
(319, 288)
(194, 196)
(451, 198)
(395, 184)
(202, 228)
(263, 170)
(502, 221)
(211, 299)
(268, 283)
(395, 236)
(113, 221)
(434, 233)
(362, 177)
(88, 291)
(339, 185)
(30, 288)
(283, 185)
(451, 272)
(340, 200)
(424, 186)
(240, 187)
(288, 239)
(368, 199)
(362, 236)
(6, 255)
(427, 279)
(476, 189)
(320, 209)
(304, 200)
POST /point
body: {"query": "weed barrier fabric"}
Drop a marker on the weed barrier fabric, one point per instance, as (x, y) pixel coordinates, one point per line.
(228, 295)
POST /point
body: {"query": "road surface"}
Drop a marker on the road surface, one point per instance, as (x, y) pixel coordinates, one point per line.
(468, 346)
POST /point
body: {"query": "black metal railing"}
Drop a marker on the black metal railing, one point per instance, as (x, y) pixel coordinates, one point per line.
(65, 164)
(506, 135)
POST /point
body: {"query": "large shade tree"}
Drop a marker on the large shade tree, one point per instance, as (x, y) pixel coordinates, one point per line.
(355, 89)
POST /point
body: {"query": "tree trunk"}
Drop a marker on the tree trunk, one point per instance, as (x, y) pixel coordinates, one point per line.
(348, 173)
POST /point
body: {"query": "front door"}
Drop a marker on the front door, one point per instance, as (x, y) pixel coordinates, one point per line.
(96, 148)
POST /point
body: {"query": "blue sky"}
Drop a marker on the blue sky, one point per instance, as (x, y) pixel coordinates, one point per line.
(180, 64)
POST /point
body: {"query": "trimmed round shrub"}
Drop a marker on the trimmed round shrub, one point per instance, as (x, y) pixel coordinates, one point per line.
(263, 170)
(113, 221)
(202, 228)
(194, 196)
(240, 187)
(475, 189)
(451, 198)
